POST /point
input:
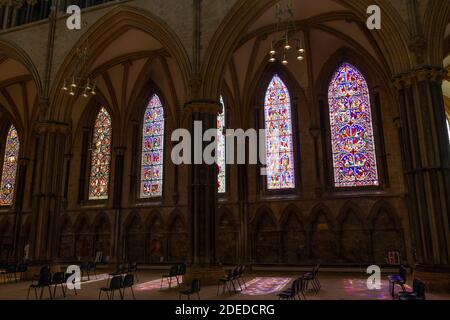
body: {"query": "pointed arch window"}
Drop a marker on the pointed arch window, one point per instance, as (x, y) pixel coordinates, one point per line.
(352, 136)
(101, 157)
(152, 164)
(221, 151)
(279, 145)
(9, 170)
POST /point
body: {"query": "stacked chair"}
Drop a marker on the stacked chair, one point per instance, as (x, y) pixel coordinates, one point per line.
(233, 279)
(175, 272)
(313, 278)
(297, 290)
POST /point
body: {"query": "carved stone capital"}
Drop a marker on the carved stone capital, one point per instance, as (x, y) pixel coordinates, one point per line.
(208, 107)
(427, 73)
(52, 127)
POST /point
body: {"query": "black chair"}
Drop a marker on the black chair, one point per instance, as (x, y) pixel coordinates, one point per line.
(114, 285)
(133, 269)
(59, 279)
(418, 292)
(398, 279)
(291, 293)
(312, 277)
(92, 269)
(44, 281)
(240, 276)
(21, 270)
(182, 269)
(84, 268)
(10, 273)
(194, 289)
(225, 282)
(119, 271)
(128, 282)
(173, 273)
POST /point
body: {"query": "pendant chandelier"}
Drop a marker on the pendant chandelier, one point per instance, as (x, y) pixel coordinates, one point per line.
(81, 82)
(286, 25)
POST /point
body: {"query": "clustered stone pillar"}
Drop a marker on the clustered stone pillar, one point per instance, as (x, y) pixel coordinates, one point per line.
(426, 153)
(202, 192)
(48, 191)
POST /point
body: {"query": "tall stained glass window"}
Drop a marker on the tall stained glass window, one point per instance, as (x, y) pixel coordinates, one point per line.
(221, 151)
(279, 146)
(354, 156)
(152, 150)
(10, 160)
(101, 157)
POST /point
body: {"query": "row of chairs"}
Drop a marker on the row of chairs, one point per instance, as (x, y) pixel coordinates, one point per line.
(47, 280)
(10, 272)
(234, 276)
(297, 289)
(118, 283)
(175, 272)
(301, 285)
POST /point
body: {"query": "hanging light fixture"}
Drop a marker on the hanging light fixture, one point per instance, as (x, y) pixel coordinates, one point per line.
(81, 82)
(286, 25)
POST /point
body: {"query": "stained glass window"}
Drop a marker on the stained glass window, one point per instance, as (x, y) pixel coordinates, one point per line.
(101, 157)
(221, 151)
(279, 146)
(9, 171)
(354, 156)
(152, 150)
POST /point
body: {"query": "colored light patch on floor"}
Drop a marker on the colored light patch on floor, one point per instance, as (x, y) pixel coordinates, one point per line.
(93, 279)
(357, 289)
(156, 285)
(265, 286)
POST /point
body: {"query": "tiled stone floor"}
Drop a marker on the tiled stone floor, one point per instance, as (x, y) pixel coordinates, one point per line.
(262, 286)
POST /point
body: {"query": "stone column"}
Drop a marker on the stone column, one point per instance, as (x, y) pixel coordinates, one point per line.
(117, 200)
(426, 153)
(202, 191)
(20, 189)
(48, 191)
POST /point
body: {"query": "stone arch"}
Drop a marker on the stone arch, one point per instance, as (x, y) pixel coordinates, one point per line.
(156, 238)
(102, 236)
(293, 233)
(177, 237)
(110, 27)
(352, 234)
(134, 238)
(66, 239)
(9, 49)
(392, 38)
(265, 236)
(436, 20)
(386, 232)
(322, 234)
(227, 237)
(83, 238)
